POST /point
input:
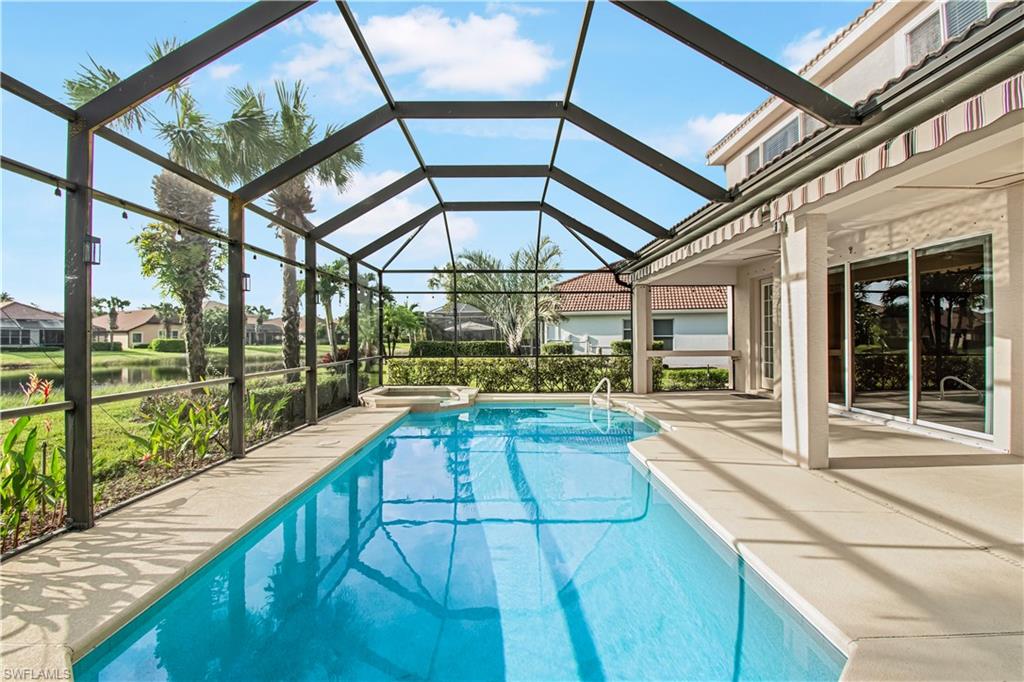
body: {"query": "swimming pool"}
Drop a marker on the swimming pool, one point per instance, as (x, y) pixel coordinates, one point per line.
(505, 541)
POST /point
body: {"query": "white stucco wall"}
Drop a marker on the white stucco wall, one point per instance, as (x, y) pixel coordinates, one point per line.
(692, 330)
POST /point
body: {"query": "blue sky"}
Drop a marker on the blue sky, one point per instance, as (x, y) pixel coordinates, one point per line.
(631, 75)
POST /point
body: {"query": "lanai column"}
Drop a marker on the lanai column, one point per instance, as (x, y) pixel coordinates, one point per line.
(803, 330)
(643, 334)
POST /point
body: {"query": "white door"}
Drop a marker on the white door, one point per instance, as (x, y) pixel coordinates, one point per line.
(767, 345)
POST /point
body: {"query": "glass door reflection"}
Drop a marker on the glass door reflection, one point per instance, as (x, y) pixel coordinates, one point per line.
(881, 335)
(954, 311)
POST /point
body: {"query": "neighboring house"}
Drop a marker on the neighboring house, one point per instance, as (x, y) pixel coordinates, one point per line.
(135, 328)
(474, 324)
(271, 332)
(595, 311)
(877, 269)
(26, 325)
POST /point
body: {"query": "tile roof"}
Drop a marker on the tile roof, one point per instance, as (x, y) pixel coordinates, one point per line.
(15, 310)
(578, 295)
(127, 319)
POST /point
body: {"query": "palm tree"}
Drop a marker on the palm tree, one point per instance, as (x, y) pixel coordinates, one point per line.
(114, 305)
(169, 314)
(296, 131)
(514, 314)
(262, 314)
(5, 297)
(184, 263)
(329, 286)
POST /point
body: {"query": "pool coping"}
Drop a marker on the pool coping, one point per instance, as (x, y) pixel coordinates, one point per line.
(874, 657)
(36, 641)
(43, 644)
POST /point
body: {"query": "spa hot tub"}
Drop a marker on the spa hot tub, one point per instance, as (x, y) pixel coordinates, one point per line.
(421, 398)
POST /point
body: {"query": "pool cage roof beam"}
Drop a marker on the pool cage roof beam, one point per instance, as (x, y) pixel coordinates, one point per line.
(263, 15)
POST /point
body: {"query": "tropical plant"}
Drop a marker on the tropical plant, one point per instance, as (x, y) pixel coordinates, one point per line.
(401, 322)
(187, 433)
(5, 297)
(497, 293)
(215, 326)
(330, 284)
(219, 151)
(297, 130)
(261, 417)
(169, 314)
(262, 313)
(110, 307)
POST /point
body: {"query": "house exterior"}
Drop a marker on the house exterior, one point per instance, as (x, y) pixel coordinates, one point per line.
(877, 271)
(595, 311)
(270, 332)
(135, 328)
(25, 325)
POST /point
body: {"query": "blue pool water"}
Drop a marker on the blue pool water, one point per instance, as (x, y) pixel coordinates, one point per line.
(500, 542)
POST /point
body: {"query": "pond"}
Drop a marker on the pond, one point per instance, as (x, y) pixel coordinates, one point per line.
(159, 372)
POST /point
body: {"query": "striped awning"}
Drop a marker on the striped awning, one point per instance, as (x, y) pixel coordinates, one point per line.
(969, 115)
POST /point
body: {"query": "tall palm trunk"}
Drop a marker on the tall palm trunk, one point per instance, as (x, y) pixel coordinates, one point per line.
(292, 202)
(332, 338)
(192, 204)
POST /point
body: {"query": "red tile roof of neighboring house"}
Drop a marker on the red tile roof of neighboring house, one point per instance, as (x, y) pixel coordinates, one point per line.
(578, 295)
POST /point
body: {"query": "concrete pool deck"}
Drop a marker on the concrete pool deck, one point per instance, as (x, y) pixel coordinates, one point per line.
(908, 555)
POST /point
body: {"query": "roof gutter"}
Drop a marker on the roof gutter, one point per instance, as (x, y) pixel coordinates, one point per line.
(984, 57)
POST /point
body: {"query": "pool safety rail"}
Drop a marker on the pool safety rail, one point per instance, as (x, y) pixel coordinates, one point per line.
(91, 120)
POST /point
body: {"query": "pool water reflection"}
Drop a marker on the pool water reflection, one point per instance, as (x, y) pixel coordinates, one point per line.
(499, 542)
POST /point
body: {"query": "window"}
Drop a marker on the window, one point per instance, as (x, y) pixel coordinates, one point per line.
(810, 124)
(627, 329)
(782, 140)
(663, 332)
(753, 161)
(925, 38)
(15, 337)
(136, 337)
(960, 14)
(174, 333)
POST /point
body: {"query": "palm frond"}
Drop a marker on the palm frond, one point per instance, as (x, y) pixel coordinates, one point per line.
(93, 79)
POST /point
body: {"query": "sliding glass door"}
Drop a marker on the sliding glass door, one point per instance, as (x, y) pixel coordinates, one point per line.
(881, 335)
(910, 335)
(836, 336)
(954, 311)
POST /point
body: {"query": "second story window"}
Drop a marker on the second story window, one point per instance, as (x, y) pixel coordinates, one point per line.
(782, 140)
(753, 161)
(960, 14)
(925, 38)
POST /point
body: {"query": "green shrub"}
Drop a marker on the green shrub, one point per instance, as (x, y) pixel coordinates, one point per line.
(693, 379)
(107, 345)
(419, 371)
(622, 347)
(167, 345)
(558, 373)
(446, 349)
(557, 348)
(581, 373)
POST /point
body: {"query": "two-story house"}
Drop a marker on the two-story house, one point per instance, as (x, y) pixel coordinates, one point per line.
(877, 269)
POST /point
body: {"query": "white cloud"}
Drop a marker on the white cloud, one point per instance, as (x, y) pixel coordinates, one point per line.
(327, 54)
(431, 242)
(698, 134)
(475, 54)
(519, 9)
(224, 71)
(801, 50)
